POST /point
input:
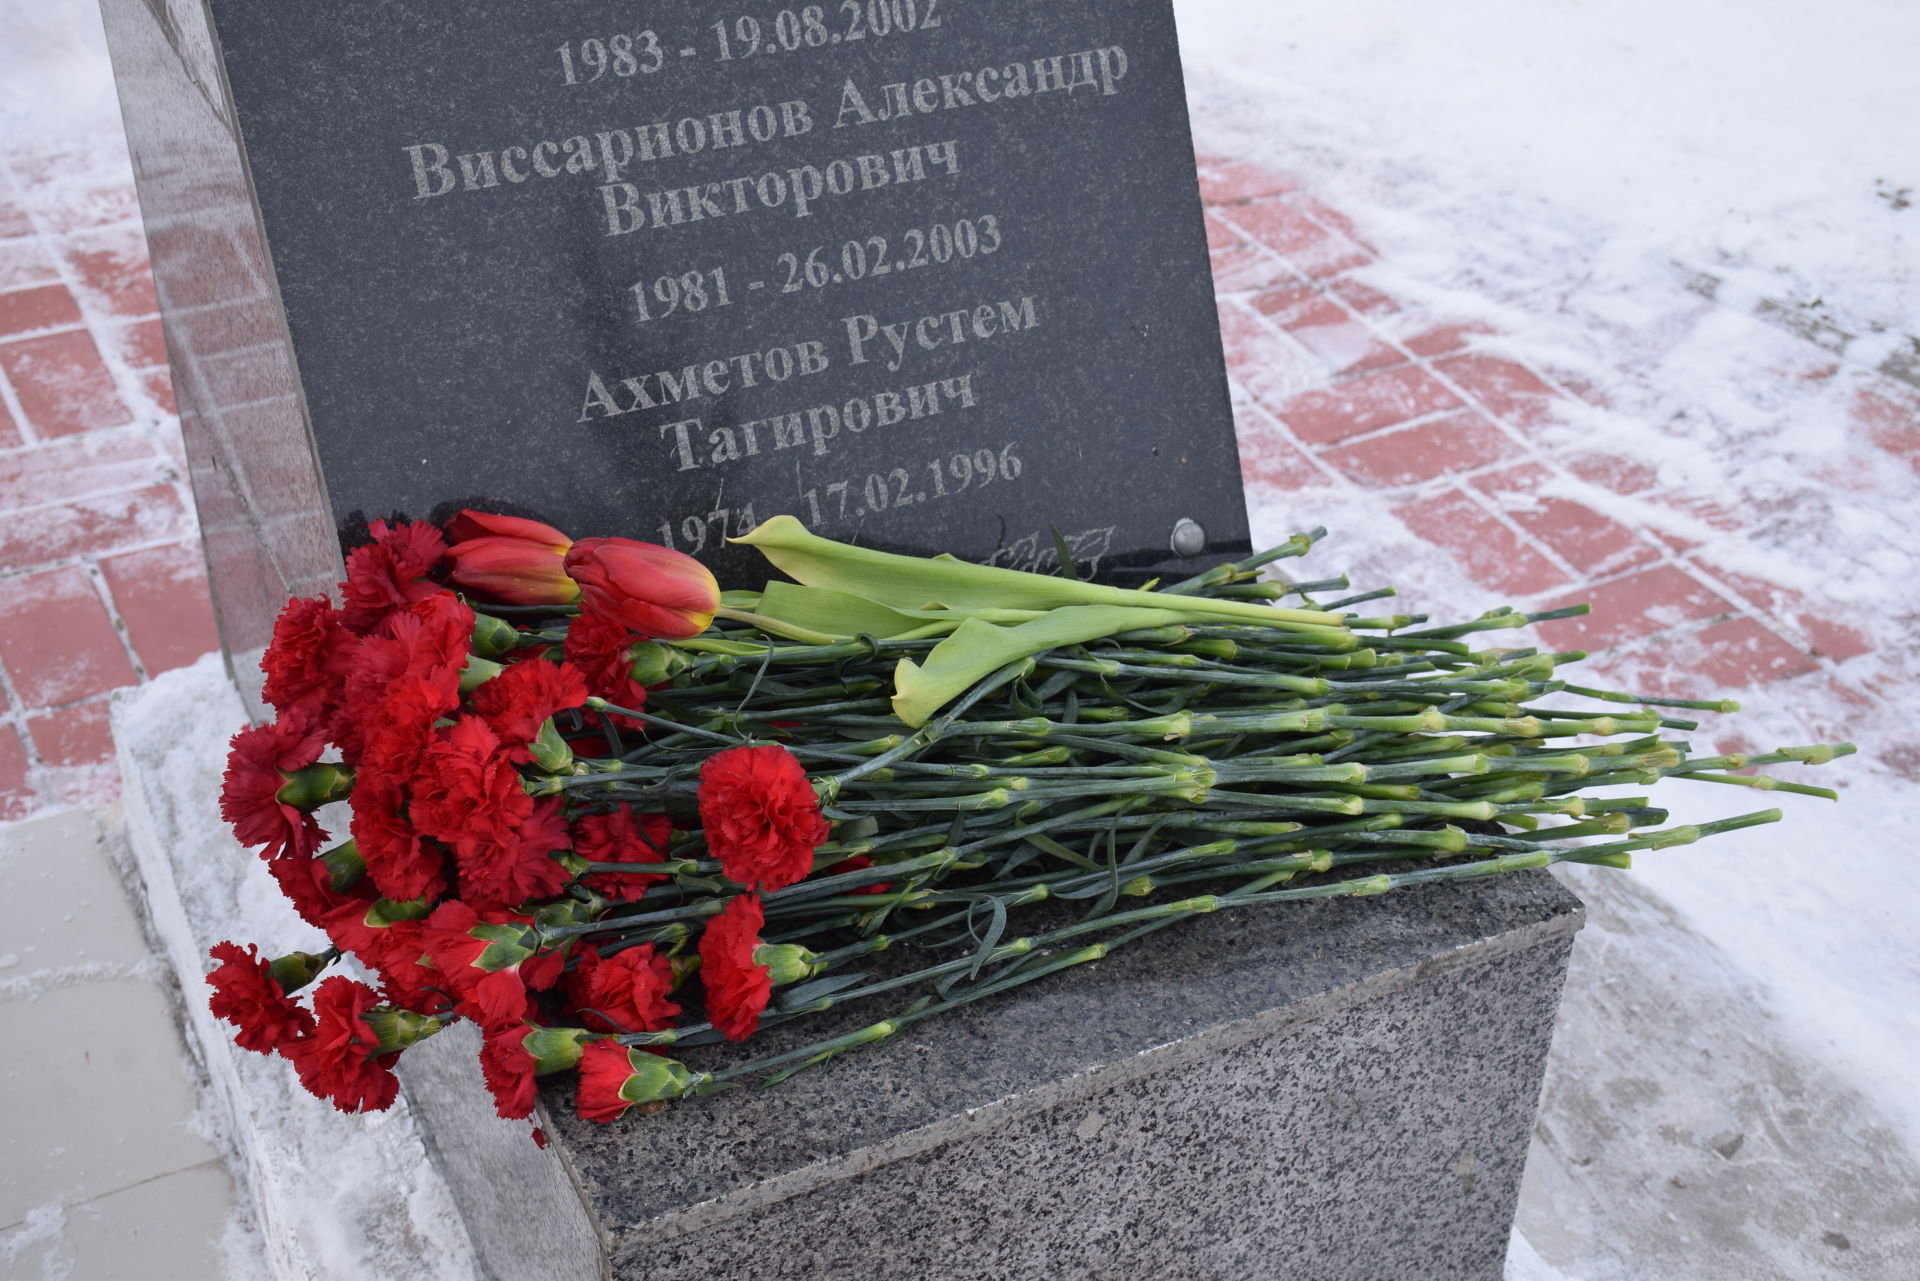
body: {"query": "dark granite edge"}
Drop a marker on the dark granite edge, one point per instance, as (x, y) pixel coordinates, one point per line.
(1169, 1056)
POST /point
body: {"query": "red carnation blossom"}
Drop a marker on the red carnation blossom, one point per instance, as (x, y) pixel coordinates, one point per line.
(625, 992)
(406, 977)
(306, 662)
(395, 950)
(523, 868)
(404, 865)
(524, 697)
(465, 793)
(494, 996)
(260, 758)
(390, 573)
(622, 837)
(761, 816)
(738, 987)
(401, 681)
(338, 1061)
(509, 1070)
(308, 885)
(605, 1067)
(603, 650)
(246, 994)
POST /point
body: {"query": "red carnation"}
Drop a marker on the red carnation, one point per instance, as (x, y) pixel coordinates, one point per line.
(458, 940)
(306, 662)
(401, 681)
(738, 987)
(246, 994)
(308, 885)
(522, 868)
(390, 573)
(509, 1070)
(395, 950)
(603, 650)
(465, 793)
(625, 992)
(761, 816)
(622, 837)
(338, 1061)
(403, 864)
(523, 698)
(257, 765)
(605, 1067)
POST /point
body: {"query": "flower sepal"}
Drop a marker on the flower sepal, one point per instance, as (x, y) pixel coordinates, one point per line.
(397, 1029)
(296, 969)
(787, 963)
(316, 785)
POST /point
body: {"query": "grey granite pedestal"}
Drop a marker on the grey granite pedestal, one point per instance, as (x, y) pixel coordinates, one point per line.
(1334, 1089)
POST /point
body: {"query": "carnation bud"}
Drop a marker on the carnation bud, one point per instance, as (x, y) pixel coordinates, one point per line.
(295, 970)
(656, 664)
(555, 1049)
(478, 672)
(787, 962)
(397, 1029)
(385, 912)
(494, 637)
(519, 562)
(314, 786)
(345, 867)
(649, 589)
(656, 1079)
(507, 946)
(550, 751)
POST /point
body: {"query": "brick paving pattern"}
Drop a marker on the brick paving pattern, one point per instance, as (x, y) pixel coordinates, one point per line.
(101, 578)
(1336, 383)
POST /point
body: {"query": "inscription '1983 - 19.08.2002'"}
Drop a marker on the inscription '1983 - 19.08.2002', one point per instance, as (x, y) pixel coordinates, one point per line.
(926, 273)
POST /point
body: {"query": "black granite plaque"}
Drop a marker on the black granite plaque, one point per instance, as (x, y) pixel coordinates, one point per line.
(930, 274)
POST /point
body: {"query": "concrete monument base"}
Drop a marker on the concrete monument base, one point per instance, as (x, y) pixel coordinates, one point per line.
(1333, 1089)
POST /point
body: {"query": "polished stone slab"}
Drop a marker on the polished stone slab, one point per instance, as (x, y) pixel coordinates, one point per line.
(1334, 1089)
(931, 275)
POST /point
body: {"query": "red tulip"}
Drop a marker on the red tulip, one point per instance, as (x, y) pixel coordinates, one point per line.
(510, 560)
(653, 590)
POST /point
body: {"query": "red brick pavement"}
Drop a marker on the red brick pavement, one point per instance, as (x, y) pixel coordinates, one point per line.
(101, 579)
(1339, 384)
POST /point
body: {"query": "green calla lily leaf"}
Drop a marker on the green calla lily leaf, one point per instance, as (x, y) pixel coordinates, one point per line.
(911, 582)
(977, 648)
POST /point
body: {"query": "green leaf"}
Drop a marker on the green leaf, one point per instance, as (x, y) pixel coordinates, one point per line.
(825, 610)
(977, 649)
(913, 582)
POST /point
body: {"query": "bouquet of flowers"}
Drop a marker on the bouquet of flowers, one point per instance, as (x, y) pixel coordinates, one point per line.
(613, 814)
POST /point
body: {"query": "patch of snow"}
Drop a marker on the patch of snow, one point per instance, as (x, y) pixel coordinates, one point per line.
(336, 1196)
(43, 1225)
(1764, 140)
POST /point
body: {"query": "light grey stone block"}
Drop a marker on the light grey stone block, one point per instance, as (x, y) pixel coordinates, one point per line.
(1334, 1089)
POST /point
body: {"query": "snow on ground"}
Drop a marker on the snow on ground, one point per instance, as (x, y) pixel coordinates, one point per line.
(1770, 138)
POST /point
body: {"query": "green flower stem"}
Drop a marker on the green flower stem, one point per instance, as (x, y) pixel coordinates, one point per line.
(1033, 962)
(941, 725)
(676, 867)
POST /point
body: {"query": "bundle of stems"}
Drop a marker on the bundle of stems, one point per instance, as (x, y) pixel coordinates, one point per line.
(1140, 780)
